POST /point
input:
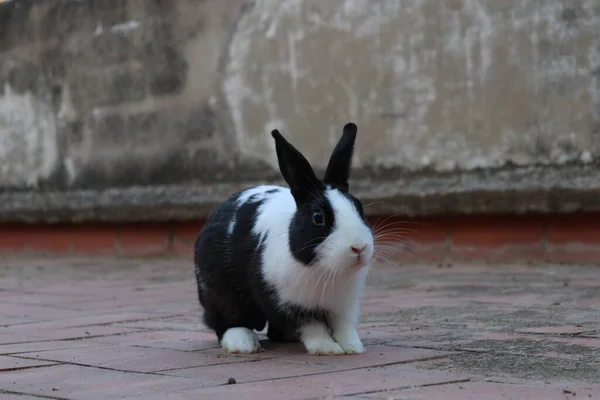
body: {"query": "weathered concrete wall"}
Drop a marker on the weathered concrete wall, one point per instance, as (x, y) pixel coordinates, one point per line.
(148, 109)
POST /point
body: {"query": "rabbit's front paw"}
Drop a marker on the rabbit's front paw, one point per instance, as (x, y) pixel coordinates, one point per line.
(352, 347)
(349, 340)
(324, 346)
(318, 341)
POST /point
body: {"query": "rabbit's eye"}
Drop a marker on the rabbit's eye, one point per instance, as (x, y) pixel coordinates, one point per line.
(317, 218)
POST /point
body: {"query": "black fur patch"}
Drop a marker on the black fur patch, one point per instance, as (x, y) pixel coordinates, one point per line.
(305, 236)
(225, 272)
(358, 205)
(231, 288)
(271, 191)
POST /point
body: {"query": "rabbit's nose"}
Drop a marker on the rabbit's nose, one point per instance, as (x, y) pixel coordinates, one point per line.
(357, 249)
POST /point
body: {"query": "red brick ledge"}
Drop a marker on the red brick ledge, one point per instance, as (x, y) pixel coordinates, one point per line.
(572, 238)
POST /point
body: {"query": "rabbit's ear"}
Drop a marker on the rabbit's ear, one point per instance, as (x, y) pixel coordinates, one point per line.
(338, 169)
(296, 171)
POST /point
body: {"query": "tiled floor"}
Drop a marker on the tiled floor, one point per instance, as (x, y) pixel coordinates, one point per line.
(109, 328)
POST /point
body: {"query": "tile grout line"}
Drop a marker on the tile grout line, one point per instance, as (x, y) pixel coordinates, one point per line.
(92, 366)
(129, 321)
(29, 367)
(39, 396)
(313, 373)
(452, 382)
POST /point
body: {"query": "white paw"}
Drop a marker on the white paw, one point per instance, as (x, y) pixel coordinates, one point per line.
(352, 347)
(240, 340)
(349, 341)
(323, 347)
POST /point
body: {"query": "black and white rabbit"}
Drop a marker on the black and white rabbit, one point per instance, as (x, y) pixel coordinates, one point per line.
(294, 257)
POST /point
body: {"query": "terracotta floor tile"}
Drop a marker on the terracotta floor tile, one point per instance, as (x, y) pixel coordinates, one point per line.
(133, 329)
(76, 382)
(325, 385)
(301, 364)
(491, 391)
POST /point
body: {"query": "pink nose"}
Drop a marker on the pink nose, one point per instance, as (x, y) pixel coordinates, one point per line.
(357, 250)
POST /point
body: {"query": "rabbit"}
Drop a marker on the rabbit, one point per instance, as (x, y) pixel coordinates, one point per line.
(294, 258)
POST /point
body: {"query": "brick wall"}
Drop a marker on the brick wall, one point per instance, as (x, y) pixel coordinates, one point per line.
(572, 238)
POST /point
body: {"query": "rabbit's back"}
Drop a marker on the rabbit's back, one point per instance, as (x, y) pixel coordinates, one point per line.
(228, 262)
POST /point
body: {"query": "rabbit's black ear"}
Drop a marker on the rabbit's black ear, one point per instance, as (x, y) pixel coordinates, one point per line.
(296, 170)
(338, 169)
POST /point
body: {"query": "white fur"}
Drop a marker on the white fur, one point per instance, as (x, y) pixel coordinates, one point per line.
(240, 340)
(259, 191)
(317, 340)
(231, 226)
(346, 335)
(335, 283)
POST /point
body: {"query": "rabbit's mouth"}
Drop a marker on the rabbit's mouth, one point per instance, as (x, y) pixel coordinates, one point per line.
(358, 262)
